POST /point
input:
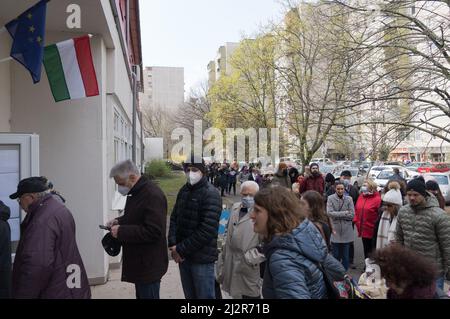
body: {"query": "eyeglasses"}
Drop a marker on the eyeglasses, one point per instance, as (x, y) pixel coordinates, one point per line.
(19, 199)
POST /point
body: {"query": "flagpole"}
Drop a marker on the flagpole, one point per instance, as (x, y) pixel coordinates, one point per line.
(5, 59)
(3, 29)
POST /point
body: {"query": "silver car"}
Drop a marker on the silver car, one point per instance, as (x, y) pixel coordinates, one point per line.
(443, 180)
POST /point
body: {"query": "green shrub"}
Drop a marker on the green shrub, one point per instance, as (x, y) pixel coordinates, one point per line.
(157, 168)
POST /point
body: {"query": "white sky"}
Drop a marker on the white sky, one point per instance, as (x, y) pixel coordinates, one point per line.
(187, 33)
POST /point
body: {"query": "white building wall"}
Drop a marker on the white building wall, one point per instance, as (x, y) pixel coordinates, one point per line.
(72, 150)
(5, 86)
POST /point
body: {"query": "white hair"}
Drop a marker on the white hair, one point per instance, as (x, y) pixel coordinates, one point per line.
(124, 169)
(42, 194)
(250, 184)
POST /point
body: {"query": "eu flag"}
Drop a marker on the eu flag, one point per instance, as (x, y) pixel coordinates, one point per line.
(28, 33)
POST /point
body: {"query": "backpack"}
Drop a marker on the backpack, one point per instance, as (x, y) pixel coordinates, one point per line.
(339, 285)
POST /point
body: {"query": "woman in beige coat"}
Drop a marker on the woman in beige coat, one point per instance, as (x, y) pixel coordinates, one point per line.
(240, 276)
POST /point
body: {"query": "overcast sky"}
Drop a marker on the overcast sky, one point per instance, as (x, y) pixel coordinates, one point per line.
(187, 33)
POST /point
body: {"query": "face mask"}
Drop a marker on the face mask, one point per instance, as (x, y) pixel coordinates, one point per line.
(346, 183)
(364, 190)
(194, 177)
(123, 190)
(248, 202)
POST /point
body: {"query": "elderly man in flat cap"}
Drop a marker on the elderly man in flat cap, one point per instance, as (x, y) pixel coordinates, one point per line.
(48, 264)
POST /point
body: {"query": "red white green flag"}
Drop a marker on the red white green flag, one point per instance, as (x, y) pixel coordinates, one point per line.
(70, 69)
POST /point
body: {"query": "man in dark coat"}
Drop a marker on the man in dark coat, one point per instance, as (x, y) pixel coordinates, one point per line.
(48, 264)
(141, 230)
(5, 252)
(193, 232)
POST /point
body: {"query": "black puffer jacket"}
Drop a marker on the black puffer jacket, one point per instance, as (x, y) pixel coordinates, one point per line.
(195, 221)
(5, 252)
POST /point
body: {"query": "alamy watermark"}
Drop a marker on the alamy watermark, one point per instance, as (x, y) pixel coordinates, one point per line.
(230, 147)
(74, 19)
(74, 278)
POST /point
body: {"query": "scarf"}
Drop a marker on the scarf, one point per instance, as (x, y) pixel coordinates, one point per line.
(386, 230)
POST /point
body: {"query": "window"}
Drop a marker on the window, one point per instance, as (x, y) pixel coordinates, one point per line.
(440, 179)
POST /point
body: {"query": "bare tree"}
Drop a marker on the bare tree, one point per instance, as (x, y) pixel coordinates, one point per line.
(196, 107)
(406, 43)
(315, 68)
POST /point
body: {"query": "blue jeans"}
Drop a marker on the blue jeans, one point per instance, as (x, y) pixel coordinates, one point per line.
(198, 280)
(440, 283)
(341, 251)
(148, 291)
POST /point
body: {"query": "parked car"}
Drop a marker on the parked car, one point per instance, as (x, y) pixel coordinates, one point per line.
(443, 180)
(358, 176)
(435, 168)
(320, 160)
(416, 165)
(374, 171)
(325, 168)
(394, 163)
(384, 176)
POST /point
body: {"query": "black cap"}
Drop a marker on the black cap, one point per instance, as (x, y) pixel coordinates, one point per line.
(418, 186)
(111, 245)
(346, 173)
(314, 165)
(432, 185)
(329, 178)
(30, 185)
(195, 162)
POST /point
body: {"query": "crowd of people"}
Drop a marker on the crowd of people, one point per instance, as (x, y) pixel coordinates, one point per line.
(285, 229)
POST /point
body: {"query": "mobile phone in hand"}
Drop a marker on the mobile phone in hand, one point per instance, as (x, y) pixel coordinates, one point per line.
(104, 227)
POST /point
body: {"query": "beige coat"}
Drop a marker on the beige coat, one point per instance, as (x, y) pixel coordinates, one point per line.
(240, 273)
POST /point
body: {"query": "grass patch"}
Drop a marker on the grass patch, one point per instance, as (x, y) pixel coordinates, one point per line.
(170, 185)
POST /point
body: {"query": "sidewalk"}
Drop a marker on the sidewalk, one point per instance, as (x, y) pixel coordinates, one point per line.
(170, 283)
(116, 289)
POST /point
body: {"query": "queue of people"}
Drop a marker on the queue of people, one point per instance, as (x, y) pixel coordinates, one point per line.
(280, 236)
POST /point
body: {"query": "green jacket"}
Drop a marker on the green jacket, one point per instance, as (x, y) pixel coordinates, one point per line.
(426, 230)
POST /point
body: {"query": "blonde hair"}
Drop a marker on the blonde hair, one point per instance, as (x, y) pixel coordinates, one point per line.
(371, 185)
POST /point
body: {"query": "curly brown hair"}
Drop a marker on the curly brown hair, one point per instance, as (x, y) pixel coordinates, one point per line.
(285, 211)
(395, 184)
(403, 266)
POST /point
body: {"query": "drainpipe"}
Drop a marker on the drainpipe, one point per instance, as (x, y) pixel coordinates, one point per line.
(134, 76)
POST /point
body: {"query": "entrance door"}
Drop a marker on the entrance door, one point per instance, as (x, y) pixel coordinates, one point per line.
(19, 159)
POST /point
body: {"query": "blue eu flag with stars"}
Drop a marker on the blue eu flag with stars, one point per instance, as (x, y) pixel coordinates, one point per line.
(28, 33)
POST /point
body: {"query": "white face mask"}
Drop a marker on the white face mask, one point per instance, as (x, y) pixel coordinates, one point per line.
(123, 190)
(194, 177)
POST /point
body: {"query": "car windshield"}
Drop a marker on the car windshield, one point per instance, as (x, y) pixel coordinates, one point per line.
(385, 174)
(354, 172)
(327, 169)
(440, 179)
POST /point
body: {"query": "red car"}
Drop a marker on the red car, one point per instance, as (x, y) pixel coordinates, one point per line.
(435, 168)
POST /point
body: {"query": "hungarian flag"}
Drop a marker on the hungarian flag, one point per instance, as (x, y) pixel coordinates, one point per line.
(70, 69)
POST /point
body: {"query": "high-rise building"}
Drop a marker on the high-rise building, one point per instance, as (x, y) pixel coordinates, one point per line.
(163, 87)
(221, 65)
